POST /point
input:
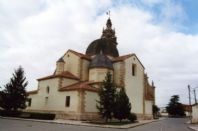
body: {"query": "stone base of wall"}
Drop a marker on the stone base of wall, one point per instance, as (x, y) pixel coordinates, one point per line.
(194, 121)
(79, 116)
(144, 117)
(148, 117)
(71, 115)
(86, 116)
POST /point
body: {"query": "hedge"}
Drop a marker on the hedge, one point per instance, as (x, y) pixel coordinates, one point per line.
(28, 115)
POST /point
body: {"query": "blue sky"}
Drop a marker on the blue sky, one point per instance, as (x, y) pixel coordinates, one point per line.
(185, 20)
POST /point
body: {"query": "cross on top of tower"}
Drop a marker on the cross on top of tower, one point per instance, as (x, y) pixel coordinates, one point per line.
(108, 13)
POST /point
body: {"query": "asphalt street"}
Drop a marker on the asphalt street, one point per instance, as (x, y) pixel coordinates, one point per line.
(170, 124)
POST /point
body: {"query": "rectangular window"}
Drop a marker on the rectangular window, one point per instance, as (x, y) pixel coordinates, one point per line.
(134, 69)
(48, 89)
(29, 102)
(46, 100)
(67, 102)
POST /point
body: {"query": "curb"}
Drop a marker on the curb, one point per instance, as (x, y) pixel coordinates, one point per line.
(191, 128)
(85, 124)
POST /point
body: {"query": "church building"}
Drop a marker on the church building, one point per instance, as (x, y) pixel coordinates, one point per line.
(71, 90)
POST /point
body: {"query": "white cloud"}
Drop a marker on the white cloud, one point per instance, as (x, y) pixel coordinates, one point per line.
(36, 37)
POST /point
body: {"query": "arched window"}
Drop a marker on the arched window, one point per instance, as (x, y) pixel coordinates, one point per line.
(47, 89)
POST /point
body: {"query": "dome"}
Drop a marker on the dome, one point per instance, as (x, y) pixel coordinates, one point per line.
(101, 61)
(107, 43)
(107, 46)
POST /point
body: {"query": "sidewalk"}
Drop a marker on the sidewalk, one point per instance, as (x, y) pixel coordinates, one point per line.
(83, 123)
(193, 127)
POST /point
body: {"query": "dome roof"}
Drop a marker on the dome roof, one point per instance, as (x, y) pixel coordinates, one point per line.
(107, 46)
(101, 61)
(107, 43)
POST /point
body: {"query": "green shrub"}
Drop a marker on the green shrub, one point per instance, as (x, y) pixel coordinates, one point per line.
(42, 116)
(27, 115)
(132, 117)
(9, 113)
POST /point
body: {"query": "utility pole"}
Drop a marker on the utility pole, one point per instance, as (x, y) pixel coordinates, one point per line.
(195, 96)
(189, 95)
(190, 113)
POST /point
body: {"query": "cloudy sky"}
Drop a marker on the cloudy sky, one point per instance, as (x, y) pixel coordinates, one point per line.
(162, 33)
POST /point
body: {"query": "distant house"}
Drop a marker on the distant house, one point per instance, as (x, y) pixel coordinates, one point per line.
(187, 109)
(163, 111)
(195, 113)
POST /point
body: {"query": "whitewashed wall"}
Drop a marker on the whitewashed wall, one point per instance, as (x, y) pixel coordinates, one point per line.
(134, 84)
(195, 114)
(148, 107)
(56, 99)
(90, 101)
(98, 74)
(67, 82)
(72, 63)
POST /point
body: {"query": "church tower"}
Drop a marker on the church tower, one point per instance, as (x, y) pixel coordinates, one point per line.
(106, 44)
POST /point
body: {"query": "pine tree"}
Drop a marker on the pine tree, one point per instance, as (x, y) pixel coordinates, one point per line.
(122, 105)
(14, 95)
(174, 107)
(106, 103)
(1, 98)
(155, 110)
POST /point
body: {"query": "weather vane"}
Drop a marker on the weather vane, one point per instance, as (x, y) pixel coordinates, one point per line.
(108, 13)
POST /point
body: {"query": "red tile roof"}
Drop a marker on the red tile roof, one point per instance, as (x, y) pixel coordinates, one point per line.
(65, 74)
(80, 55)
(79, 86)
(187, 107)
(124, 57)
(32, 92)
(121, 58)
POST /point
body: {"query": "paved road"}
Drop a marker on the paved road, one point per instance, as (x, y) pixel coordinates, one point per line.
(170, 124)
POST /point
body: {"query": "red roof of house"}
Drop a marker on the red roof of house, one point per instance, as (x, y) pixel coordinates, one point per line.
(80, 54)
(65, 74)
(32, 92)
(121, 58)
(187, 107)
(124, 57)
(79, 86)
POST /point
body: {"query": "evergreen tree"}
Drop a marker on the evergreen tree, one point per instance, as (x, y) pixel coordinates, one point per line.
(106, 103)
(122, 105)
(174, 107)
(0, 98)
(14, 95)
(155, 110)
